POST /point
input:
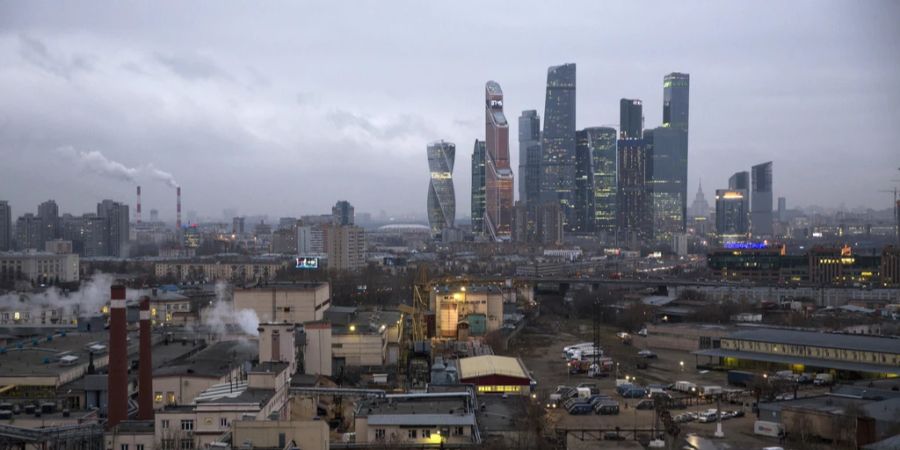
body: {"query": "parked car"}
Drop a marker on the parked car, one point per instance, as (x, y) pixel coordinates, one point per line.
(646, 354)
(634, 392)
(606, 408)
(580, 408)
(645, 404)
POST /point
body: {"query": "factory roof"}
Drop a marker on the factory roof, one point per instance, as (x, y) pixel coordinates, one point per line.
(301, 286)
(42, 355)
(790, 359)
(479, 366)
(215, 361)
(819, 339)
(418, 410)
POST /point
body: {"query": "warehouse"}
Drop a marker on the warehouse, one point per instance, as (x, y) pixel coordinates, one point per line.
(495, 374)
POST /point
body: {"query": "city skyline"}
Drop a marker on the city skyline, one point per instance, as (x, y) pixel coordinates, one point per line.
(183, 105)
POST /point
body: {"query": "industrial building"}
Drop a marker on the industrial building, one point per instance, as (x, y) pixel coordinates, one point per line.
(495, 374)
(425, 419)
(468, 310)
(849, 356)
(292, 303)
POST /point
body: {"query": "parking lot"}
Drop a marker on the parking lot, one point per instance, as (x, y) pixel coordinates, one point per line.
(540, 347)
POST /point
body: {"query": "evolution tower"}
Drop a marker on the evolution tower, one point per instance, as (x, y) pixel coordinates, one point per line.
(441, 197)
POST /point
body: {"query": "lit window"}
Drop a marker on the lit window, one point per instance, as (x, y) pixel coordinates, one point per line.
(157, 397)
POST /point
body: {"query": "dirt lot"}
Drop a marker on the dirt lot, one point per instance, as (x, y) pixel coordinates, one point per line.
(540, 347)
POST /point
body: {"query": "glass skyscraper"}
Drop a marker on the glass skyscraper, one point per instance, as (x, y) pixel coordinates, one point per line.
(498, 176)
(761, 199)
(441, 197)
(602, 142)
(583, 208)
(670, 160)
(676, 96)
(631, 118)
(634, 151)
(731, 214)
(558, 140)
(478, 187)
(529, 157)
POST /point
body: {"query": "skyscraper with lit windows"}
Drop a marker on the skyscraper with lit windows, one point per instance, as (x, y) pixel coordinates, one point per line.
(478, 188)
(498, 176)
(558, 141)
(441, 196)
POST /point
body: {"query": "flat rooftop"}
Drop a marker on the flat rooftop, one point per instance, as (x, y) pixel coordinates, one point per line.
(819, 339)
(302, 286)
(214, 361)
(417, 411)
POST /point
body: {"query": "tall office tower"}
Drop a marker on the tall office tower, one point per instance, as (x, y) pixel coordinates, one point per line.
(761, 200)
(739, 181)
(700, 207)
(5, 226)
(631, 118)
(668, 182)
(676, 90)
(558, 140)
(529, 157)
(30, 232)
(478, 187)
(95, 232)
(49, 214)
(731, 214)
(238, 226)
(116, 216)
(498, 176)
(583, 197)
(441, 197)
(342, 211)
(601, 142)
(782, 209)
(635, 218)
(550, 223)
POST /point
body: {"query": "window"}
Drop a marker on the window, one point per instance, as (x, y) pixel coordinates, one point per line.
(123, 447)
(412, 434)
(168, 444)
(187, 425)
(379, 434)
(186, 444)
(171, 397)
(458, 431)
(425, 434)
(157, 397)
(223, 422)
(139, 446)
(164, 423)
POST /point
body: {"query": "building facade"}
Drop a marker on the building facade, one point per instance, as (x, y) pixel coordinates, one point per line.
(498, 174)
(116, 216)
(529, 157)
(39, 267)
(583, 198)
(731, 214)
(601, 143)
(29, 232)
(558, 140)
(5, 226)
(668, 182)
(761, 200)
(345, 247)
(441, 196)
(342, 213)
(478, 187)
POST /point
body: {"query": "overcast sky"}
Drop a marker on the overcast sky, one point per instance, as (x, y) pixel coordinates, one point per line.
(284, 109)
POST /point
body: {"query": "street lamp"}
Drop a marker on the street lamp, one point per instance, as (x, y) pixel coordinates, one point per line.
(352, 327)
(681, 363)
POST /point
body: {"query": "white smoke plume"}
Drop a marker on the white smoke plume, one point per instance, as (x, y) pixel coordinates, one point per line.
(95, 162)
(88, 300)
(221, 313)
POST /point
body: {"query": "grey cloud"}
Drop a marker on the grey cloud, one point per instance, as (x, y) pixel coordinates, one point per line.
(401, 126)
(36, 52)
(192, 68)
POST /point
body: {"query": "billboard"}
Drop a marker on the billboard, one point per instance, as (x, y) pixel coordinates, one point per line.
(307, 263)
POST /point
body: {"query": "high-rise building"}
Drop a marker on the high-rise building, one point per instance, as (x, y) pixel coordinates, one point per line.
(676, 96)
(739, 181)
(342, 212)
(116, 215)
(583, 198)
(700, 207)
(731, 214)
(498, 176)
(529, 157)
(49, 213)
(29, 232)
(5, 226)
(441, 197)
(95, 235)
(635, 158)
(238, 226)
(631, 118)
(478, 187)
(345, 246)
(558, 140)
(668, 182)
(761, 200)
(310, 240)
(601, 142)
(782, 209)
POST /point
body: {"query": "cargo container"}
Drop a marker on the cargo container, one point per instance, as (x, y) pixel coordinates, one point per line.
(740, 378)
(771, 429)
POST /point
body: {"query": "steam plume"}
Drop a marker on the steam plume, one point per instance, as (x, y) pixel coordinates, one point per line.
(222, 313)
(95, 162)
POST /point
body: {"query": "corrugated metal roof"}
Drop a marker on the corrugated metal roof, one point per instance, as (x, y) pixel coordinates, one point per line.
(790, 359)
(817, 339)
(479, 366)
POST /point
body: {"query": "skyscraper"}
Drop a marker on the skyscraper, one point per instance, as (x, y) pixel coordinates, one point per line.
(49, 214)
(700, 207)
(583, 197)
(676, 96)
(740, 180)
(478, 187)
(602, 144)
(631, 118)
(529, 157)
(116, 216)
(5, 226)
(29, 232)
(441, 197)
(668, 183)
(635, 218)
(498, 176)
(782, 209)
(342, 212)
(761, 200)
(731, 215)
(558, 140)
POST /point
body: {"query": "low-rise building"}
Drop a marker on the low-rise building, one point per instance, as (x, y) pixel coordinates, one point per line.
(432, 418)
(181, 381)
(292, 303)
(39, 267)
(495, 374)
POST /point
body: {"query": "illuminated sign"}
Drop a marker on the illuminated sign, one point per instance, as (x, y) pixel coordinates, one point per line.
(745, 245)
(497, 104)
(732, 195)
(307, 263)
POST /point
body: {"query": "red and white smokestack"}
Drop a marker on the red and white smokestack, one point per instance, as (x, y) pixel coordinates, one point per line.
(138, 204)
(117, 380)
(145, 364)
(178, 208)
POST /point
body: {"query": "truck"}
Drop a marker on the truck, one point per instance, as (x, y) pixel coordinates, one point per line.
(710, 390)
(740, 378)
(765, 428)
(823, 379)
(684, 386)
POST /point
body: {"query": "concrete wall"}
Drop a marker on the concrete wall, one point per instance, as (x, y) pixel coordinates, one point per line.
(290, 305)
(311, 434)
(317, 352)
(358, 349)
